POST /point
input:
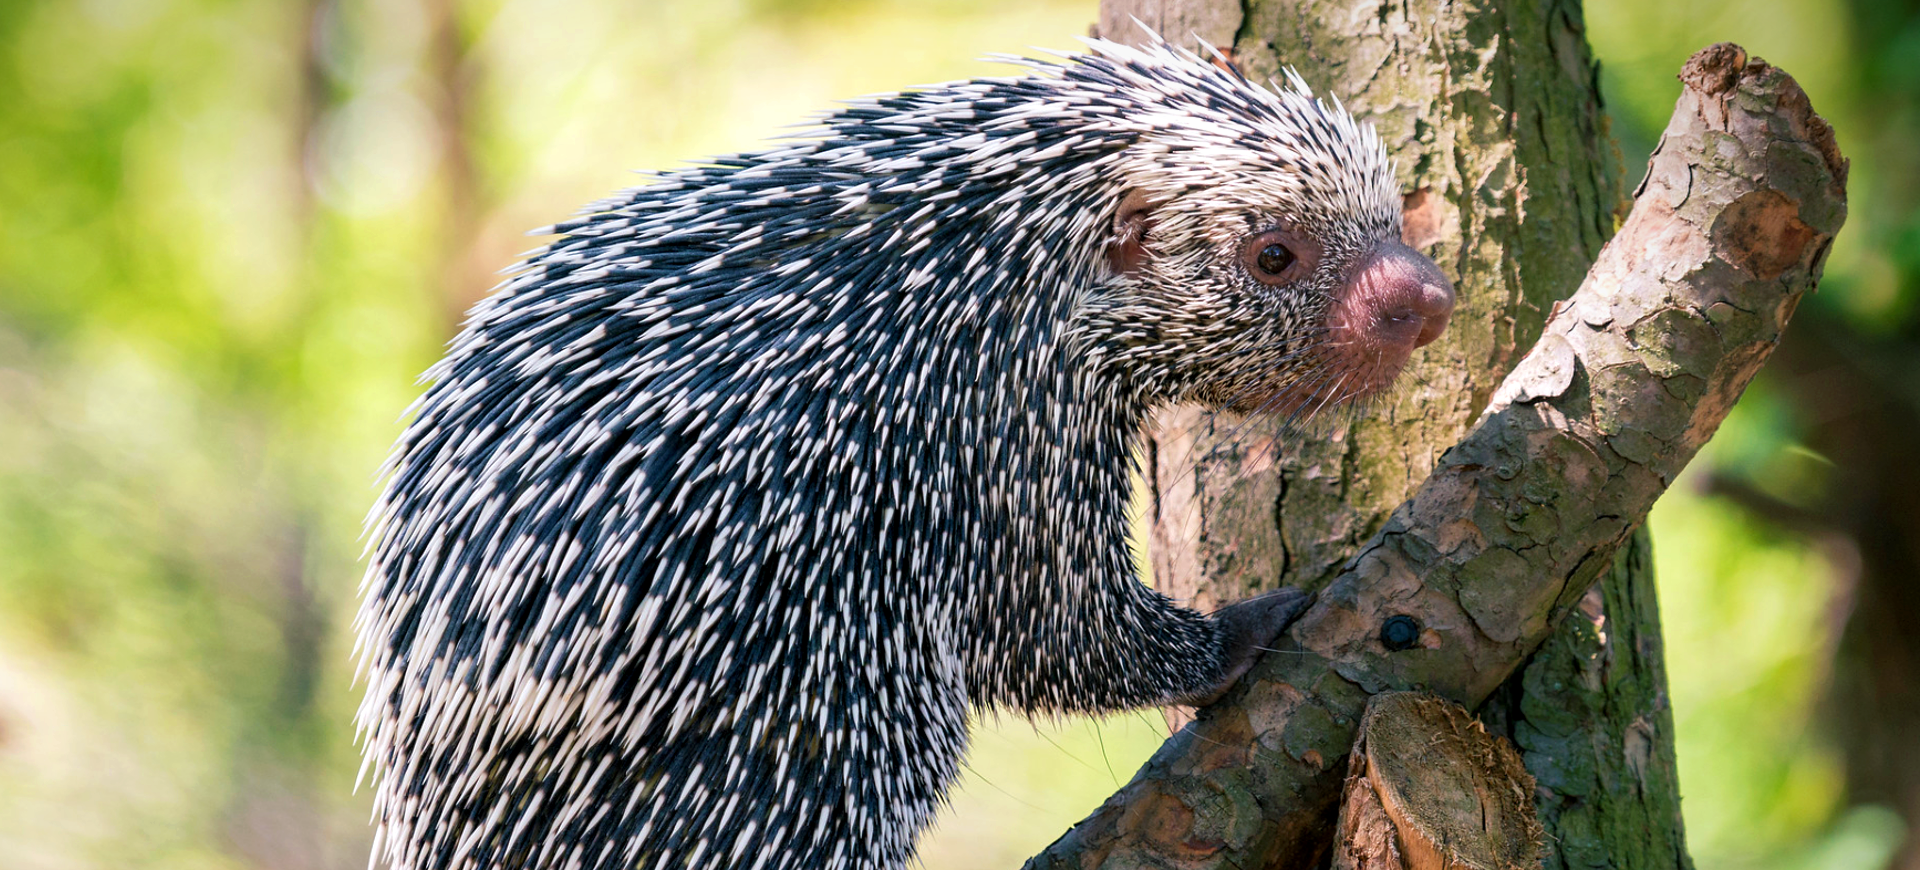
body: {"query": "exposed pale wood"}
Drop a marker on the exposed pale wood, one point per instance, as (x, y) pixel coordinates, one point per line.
(1454, 796)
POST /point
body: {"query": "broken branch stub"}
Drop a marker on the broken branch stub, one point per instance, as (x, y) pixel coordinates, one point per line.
(1634, 372)
(1429, 789)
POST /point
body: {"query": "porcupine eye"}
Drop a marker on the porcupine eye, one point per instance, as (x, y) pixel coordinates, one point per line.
(1275, 258)
(1278, 256)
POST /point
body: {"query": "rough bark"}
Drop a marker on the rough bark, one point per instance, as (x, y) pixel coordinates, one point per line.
(1522, 516)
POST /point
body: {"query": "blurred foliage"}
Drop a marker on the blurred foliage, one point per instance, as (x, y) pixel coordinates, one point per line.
(232, 231)
(1754, 607)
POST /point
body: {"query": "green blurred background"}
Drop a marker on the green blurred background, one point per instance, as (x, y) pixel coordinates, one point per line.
(232, 232)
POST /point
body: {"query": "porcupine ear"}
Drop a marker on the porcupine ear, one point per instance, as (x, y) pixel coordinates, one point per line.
(1127, 250)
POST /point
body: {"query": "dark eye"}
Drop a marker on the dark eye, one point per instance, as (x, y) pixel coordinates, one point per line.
(1274, 258)
(1279, 256)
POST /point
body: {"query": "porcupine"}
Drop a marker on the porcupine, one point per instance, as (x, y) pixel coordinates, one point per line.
(719, 516)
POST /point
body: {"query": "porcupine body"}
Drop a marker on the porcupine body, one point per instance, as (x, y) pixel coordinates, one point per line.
(720, 515)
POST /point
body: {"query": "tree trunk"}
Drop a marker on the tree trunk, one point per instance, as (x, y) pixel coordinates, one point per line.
(1501, 142)
(1493, 116)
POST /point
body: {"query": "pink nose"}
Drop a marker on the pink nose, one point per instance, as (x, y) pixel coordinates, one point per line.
(1396, 297)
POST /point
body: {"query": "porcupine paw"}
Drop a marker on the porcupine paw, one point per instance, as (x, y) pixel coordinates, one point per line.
(1248, 628)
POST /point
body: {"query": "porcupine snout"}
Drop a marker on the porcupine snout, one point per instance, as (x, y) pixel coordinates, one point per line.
(1393, 301)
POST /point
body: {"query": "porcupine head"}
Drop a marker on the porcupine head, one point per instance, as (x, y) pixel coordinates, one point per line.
(720, 516)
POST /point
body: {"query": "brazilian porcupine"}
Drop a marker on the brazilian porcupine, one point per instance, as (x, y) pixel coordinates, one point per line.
(721, 514)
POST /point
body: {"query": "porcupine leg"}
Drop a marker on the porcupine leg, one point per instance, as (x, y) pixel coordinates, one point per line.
(1166, 654)
(1121, 645)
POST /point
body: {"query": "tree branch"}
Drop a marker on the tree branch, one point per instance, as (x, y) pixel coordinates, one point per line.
(1633, 374)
